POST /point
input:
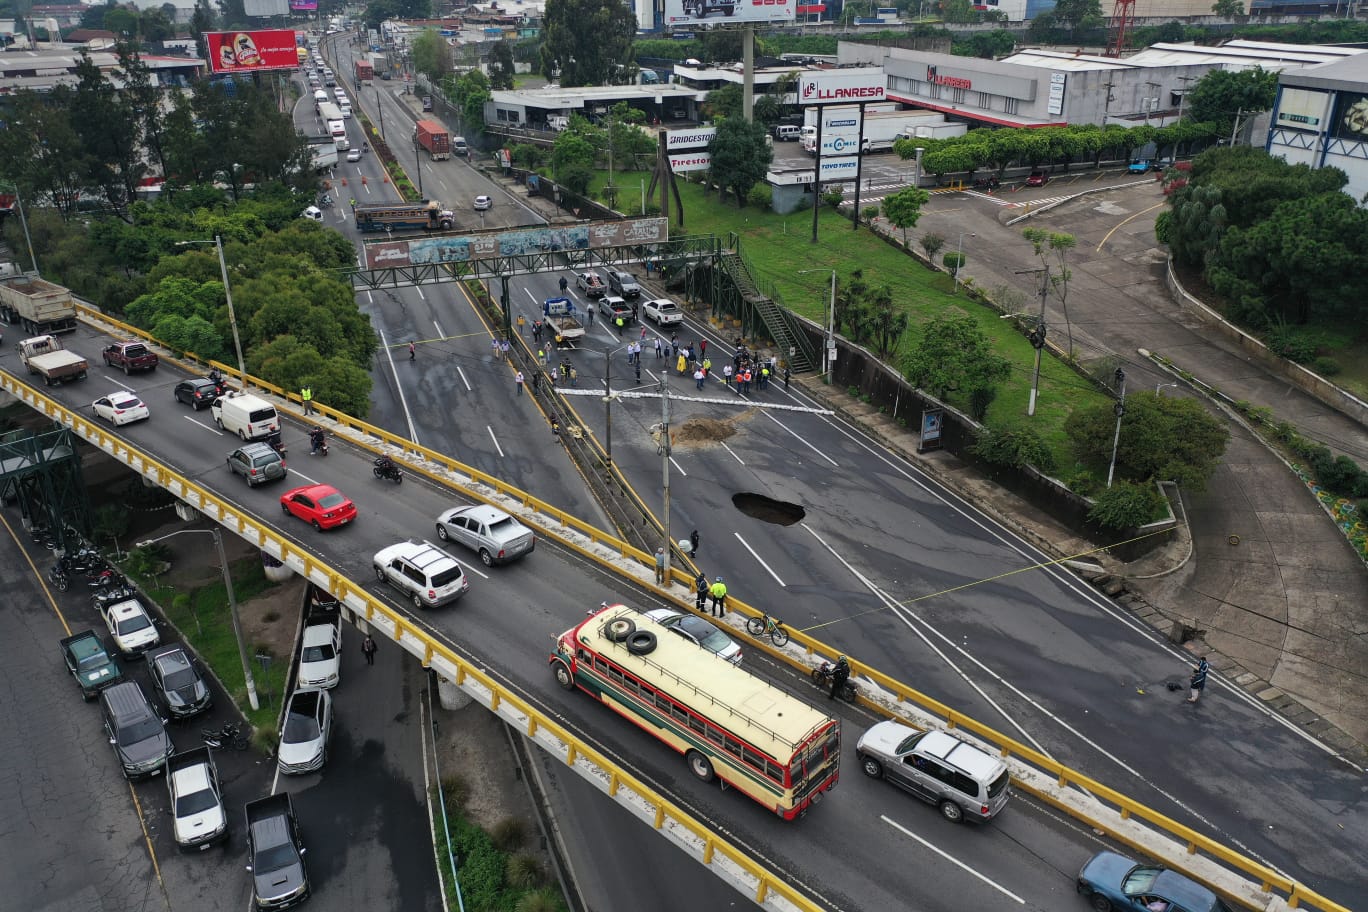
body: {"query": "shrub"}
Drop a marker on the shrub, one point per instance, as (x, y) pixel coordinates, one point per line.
(932, 244)
(455, 790)
(833, 197)
(761, 196)
(980, 397)
(869, 214)
(1013, 447)
(544, 900)
(482, 867)
(509, 834)
(1326, 367)
(953, 260)
(147, 561)
(1125, 505)
(525, 871)
(1293, 343)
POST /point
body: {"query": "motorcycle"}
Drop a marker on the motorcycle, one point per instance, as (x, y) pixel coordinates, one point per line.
(987, 183)
(58, 577)
(325, 200)
(110, 596)
(821, 676)
(385, 468)
(275, 443)
(318, 443)
(106, 579)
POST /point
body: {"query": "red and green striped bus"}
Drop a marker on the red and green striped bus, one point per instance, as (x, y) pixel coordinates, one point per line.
(729, 724)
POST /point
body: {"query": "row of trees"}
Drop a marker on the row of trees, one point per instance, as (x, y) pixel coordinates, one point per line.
(90, 144)
(582, 146)
(996, 149)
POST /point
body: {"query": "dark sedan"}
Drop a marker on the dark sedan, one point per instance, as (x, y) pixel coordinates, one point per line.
(198, 393)
(1111, 881)
(177, 682)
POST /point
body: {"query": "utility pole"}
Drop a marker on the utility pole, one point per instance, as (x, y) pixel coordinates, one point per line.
(608, 408)
(1182, 97)
(1037, 337)
(665, 466)
(1120, 410)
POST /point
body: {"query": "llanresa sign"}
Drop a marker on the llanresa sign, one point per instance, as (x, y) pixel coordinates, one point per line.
(841, 87)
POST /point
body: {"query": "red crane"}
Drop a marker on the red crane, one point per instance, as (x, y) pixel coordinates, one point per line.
(1124, 14)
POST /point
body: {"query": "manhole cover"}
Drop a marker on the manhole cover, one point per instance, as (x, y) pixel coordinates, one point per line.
(767, 509)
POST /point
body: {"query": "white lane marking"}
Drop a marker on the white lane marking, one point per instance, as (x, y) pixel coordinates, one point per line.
(907, 617)
(804, 439)
(745, 545)
(465, 379)
(472, 569)
(399, 387)
(438, 327)
(496, 441)
(955, 861)
(678, 467)
(207, 427)
(733, 454)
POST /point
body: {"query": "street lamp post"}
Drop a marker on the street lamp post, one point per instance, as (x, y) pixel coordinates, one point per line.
(1119, 409)
(227, 293)
(608, 402)
(828, 353)
(959, 257)
(232, 605)
(1037, 340)
(418, 162)
(379, 106)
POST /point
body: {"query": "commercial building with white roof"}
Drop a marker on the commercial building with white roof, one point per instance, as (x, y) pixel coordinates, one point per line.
(1321, 119)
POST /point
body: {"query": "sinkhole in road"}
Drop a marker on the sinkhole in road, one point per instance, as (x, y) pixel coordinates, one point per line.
(767, 509)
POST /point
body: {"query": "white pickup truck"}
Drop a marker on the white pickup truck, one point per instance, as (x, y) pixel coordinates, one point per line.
(45, 355)
(663, 311)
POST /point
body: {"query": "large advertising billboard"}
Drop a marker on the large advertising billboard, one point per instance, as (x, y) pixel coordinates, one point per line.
(423, 251)
(1302, 109)
(1351, 120)
(249, 52)
(303, 5)
(685, 13)
(842, 87)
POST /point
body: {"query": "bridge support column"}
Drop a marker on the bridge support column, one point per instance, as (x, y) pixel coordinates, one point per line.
(451, 696)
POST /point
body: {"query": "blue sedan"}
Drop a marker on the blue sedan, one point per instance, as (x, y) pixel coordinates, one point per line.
(1111, 881)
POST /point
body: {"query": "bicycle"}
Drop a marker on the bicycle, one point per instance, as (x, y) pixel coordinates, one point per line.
(766, 625)
(821, 676)
(229, 736)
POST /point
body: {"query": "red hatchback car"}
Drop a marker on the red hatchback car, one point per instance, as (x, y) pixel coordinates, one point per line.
(1038, 178)
(321, 506)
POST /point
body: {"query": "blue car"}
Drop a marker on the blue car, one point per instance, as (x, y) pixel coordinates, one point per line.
(1142, 167)
(1110, 881)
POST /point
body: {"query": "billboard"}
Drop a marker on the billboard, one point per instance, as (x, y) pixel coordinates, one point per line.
(303, 6)
(834, 169)
(840, 144)
(242, 52)
(691, 161)
(424, 251)
(1351, 120)
(684, 13)
(698, 137)
(261, 9)
(1302, 109)
(842, 87)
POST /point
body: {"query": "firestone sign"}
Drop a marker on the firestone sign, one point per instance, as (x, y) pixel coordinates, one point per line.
(842, 87)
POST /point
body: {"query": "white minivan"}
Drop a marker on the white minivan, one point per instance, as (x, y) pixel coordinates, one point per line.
(248, 416)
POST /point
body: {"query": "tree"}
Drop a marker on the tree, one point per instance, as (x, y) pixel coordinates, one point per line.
(1052, 247)
(1163, 438)
(958, 11)
(1080, 14)
(501, 66)
(1126, 506)
(1220, 95)
(431, 55)
(572, 161)
(954, 354)
(471, 91)
(903, 209)
(588, 42)
(726, 102)
(740, 156)
(110, 134)
(1230, 9)
(932, 244)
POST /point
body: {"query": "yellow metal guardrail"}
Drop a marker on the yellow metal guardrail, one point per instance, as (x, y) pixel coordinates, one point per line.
(610, 552)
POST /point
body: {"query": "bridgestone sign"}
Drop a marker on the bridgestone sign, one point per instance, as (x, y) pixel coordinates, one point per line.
(852, 86)
(697, 138)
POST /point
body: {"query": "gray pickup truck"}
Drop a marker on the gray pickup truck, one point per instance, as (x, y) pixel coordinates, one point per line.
(275, 853)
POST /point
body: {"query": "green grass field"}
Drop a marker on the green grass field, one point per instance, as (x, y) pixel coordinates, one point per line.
(781, 254)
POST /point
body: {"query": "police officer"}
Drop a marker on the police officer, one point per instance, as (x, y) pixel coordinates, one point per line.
(840, 673)
(306, 394)
(701, 587)
(719, 598)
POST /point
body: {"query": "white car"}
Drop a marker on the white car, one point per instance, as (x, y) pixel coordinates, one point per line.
(698, 631)
(120, 408)
(663, 311)
(320, 657)
(482, 203)
(198, 817)
(353, 155)
(313, 213)
(132, 628)
(304, 738)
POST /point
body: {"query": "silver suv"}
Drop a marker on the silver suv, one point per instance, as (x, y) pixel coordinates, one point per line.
(257, 462)
(623, 283)
(498, 537)
(963, 781)
(424, 572)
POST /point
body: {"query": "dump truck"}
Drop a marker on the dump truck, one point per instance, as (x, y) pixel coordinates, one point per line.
(433, 137)
(562, 326)
(364, 72)
(275, 853)
(39, 307)
(45, 355)
(427, 215)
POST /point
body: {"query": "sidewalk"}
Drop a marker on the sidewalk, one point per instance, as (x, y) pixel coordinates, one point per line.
(1277, 593)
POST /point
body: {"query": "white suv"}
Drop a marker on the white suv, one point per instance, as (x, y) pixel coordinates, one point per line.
(320, 656)
(424, 572)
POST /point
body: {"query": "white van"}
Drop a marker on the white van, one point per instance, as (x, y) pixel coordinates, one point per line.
(786, 133)
(458, 145)
(346, 111)
(320, 97)
(248, 416)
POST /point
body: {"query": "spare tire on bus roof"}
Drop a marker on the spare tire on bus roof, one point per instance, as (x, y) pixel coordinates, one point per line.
(619, 629)
(641, 642)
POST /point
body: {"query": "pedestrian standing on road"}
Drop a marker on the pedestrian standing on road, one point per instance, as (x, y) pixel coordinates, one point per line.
(541, 355)
(659, 349)
(589, 312)
(494, 344)
(503, 349)
(707, 367)
(1198, 682)
(693, 544)
(563, 284)
(536, 330)
(368, 649)
(764, 377)
(726, 375)
(669, 351)
(643, 332)
(307, 395)
(536, 381)
(518, 380)
(702, 347)
(787, 374)
(681, 364)
(574, 376)
(413, 351)
(522, 325)
(698, 377)
(660, 566)
(701, 592)
(719, 598)
(638, 372)
(636, 315)
(619, 324)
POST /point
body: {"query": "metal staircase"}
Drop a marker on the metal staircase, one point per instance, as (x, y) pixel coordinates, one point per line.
(779, 322)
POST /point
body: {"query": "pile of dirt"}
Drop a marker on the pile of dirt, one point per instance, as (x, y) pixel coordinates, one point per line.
(701, 431)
